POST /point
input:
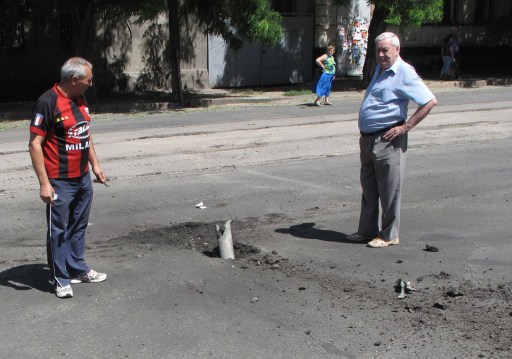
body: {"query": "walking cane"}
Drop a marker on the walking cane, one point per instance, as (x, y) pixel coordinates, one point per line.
(55, 280)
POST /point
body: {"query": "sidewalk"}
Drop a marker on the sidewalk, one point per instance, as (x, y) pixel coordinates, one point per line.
(220, 97)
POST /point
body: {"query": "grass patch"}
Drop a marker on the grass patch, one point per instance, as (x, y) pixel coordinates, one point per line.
(10, 124)
(297, 92)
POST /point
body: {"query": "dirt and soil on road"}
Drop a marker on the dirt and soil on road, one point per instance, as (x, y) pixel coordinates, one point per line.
(476, 316)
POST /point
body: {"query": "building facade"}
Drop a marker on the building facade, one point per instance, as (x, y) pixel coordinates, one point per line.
(131, 57)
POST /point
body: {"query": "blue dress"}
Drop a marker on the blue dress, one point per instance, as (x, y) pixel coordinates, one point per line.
(323, 87)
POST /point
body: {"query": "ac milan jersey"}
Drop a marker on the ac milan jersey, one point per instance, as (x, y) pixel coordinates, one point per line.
(64, 123)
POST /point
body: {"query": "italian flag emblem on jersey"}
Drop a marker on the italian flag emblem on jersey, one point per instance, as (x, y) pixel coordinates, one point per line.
(38, 119)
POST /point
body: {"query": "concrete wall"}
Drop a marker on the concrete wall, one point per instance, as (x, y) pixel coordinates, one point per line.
(256, 65)
(138, 59)
(126, 57)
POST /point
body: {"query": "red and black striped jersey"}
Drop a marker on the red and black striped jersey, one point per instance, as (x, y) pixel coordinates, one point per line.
(64, 124)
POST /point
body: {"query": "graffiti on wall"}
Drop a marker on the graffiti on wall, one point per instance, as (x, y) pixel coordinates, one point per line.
(352, 42)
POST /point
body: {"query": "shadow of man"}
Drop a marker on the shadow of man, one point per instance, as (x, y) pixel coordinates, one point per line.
(26, 277)
(308, 231)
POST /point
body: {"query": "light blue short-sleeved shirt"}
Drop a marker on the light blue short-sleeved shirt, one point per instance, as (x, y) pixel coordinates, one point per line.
(387, 97)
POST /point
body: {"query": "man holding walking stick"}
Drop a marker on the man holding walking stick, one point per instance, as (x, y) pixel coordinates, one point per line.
(61, 150)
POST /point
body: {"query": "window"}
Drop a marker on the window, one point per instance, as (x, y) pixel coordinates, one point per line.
(478, 12)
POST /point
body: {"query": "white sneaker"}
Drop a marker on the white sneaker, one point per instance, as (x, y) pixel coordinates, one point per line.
(381, 243)
(64, 292)
(91, 277)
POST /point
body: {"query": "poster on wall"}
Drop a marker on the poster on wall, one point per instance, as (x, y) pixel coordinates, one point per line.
(352, 42)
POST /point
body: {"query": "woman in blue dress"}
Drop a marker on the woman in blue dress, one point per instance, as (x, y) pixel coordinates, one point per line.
(328, 65)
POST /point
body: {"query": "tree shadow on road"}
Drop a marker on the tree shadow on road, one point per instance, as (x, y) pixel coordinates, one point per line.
(26, 277)
(308, 231)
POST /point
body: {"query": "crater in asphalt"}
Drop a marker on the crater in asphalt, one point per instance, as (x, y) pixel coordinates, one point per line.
(198, 236)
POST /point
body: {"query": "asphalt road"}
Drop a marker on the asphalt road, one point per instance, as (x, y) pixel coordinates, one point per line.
(288, 176)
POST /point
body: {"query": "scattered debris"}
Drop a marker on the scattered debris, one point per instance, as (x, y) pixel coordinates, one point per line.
(308, 332)
(200, 205)
(271, 259)
(440, 306)
(255, 299)
(403, 288)
(443, 275)
(453, 293)
(430, 248)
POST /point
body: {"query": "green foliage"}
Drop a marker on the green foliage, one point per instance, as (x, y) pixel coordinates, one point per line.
(236, 20)
(413, 12)
(262, 25)
(297, 92)
(499, 33)
(400, 13)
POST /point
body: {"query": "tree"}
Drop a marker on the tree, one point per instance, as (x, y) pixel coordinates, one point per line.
(233, 20)
(400, 13)
(237, 20)
(175, 53)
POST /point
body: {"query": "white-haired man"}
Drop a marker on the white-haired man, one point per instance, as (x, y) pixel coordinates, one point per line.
(61, 150)
(384, 126)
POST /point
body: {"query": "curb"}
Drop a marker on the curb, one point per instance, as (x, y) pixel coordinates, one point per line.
(208, 98)
(19, 111)
(207, 102)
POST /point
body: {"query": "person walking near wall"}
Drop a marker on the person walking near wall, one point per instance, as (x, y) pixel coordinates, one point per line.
(448, 55)
(61, 150)
(455, 44)
(328, 65)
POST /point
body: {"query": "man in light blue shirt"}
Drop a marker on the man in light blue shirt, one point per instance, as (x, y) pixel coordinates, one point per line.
(384, 126)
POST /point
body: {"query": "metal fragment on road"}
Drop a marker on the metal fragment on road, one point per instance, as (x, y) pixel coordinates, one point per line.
(200, 205)
(404, 287)
(225, 241)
